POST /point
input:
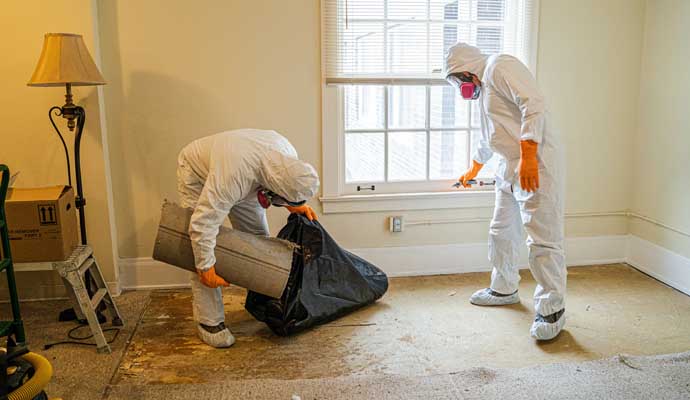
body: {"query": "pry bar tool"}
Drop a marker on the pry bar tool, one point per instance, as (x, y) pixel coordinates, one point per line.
(474, 182)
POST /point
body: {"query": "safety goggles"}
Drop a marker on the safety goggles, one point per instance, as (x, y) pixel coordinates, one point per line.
(267, 198)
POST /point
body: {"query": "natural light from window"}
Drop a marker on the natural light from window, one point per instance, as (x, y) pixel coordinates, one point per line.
(403, 129)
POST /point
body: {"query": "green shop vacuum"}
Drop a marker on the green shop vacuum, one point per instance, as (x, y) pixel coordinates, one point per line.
(23, 374)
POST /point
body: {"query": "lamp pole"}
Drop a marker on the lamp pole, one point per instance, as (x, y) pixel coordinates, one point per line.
(65, 61)
(76, 117)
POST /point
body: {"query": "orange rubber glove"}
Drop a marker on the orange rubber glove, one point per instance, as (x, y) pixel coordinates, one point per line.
(528, 168)
(209, 278)
(470, 174)
(304, 210)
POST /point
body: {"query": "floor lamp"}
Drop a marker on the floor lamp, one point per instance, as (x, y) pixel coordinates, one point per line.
(65, 61)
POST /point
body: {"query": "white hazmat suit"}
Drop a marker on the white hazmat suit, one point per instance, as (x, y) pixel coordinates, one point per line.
(512, 110)
(219, 176)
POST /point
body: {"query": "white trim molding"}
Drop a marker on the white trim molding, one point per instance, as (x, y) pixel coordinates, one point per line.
(671, 268)
(656, 261)
(407, 201)
(472, 257)
(146, 273)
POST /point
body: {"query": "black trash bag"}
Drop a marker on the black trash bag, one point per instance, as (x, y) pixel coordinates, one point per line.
(326, 282)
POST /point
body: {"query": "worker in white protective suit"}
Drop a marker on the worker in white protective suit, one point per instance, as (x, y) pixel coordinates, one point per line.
(238, 174)
(529, 181)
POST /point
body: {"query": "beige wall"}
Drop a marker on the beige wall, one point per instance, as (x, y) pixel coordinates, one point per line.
(589, 66)
(178, 73)
(27, 140)
(662, 148)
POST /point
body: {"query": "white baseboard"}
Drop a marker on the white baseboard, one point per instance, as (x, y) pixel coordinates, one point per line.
(473, 257)
(656, 261)
(115, 289)
(660, 263)
(146, 273)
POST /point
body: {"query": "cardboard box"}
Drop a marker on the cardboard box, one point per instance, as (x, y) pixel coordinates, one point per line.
(42, 223)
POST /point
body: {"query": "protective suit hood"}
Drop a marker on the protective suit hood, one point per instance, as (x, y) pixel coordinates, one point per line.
(219, 175)
(289, 177)
(463, 57)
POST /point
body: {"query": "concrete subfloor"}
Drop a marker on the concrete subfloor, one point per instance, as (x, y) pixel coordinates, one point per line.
(424, 326)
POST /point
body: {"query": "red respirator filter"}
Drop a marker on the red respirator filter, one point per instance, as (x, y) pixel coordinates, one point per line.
(467, 90)
(264, 201)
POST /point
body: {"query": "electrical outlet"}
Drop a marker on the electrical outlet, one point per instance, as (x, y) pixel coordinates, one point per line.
(396, 224)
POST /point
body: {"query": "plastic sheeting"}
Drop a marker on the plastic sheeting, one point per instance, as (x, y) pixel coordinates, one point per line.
(326, 282)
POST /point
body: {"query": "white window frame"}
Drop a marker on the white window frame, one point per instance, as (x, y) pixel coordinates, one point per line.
(337, 197)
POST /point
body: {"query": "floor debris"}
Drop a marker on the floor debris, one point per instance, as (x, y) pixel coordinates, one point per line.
(349, 325)
(416, 329)
(627, 363)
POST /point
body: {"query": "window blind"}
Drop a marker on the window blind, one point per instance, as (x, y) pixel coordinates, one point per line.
(399, 42)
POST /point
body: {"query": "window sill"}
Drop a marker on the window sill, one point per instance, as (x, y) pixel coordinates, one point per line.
(407, 201)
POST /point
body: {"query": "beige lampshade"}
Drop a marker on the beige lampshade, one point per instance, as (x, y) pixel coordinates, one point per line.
(65, 59)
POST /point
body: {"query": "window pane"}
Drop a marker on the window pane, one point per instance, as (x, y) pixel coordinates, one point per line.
(490, 10)
(364, 107)
(448, 110)
(441, 38)
(406, 156)
(448, 155)
(407, 9)
(490, 39)
(476, 118)
(450, 10)
(407, 105)
(407, 48)
(361, 48)
(364, 157)
(362, 9)
(407, 37)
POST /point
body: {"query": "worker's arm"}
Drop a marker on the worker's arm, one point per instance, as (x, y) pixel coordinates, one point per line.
(224, 187)
(482, 154)
(209, 214)
(470, 174)
(515, 82)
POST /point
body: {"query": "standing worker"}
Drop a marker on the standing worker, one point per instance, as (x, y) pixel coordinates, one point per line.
(238, 174)
(529, 181)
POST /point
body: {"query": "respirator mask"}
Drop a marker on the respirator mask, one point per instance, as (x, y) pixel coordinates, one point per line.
(468, 90)
(267, 198)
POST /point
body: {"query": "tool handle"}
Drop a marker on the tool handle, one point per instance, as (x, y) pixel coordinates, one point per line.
(474, 182)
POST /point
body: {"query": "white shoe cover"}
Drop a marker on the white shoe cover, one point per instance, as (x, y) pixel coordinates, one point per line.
(219, 339)
(485, 297)
(542, 330)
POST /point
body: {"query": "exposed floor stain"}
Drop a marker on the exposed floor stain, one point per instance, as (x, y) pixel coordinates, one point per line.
(406, 338)
(423, 326)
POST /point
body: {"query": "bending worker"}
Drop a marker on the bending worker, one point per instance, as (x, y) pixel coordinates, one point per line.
(529, 182)
(238, 174)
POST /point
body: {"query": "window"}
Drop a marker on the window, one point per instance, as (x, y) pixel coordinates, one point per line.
(391, 124)
(398, 135)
